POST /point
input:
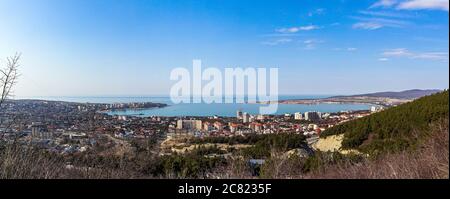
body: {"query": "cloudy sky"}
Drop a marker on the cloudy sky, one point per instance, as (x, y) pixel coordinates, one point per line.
(114, 47)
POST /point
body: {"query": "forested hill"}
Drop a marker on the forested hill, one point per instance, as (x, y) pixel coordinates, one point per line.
(396, 128)
(407, 94)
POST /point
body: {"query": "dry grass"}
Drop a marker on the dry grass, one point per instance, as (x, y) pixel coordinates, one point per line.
(24, 163)
(430, 161)
(18, 162)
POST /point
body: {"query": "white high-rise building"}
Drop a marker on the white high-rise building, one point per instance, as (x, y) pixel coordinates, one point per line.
(252, 118)
(239, 114)
(298, 116)
(180, 124)
(189, 124)
(260, 117)
(312, 116)
(246, 118)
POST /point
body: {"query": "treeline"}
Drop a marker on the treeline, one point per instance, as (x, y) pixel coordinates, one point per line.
(195, 164)
(395, 129)
(192, 165)
(198, 163)
(262, 144)
(142, 163)
(247, 139)
(280, 142)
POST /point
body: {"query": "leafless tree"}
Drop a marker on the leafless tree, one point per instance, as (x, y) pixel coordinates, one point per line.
(8, 77)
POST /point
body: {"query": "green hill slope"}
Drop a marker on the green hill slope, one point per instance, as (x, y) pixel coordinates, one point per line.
(397, 128)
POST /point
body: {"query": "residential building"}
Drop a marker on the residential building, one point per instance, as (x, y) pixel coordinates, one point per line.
(218, 126)
(239, 114)
(298, 116)
(246, 118)
(312, 116)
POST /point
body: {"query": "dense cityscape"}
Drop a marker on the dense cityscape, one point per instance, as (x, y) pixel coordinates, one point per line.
(66, 128)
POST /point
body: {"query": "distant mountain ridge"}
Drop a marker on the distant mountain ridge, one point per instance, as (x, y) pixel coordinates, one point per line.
(407, 94)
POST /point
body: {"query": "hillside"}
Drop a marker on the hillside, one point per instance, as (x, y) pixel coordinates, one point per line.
(380, 98)
(407, 94)
(395, 129)
(429, 161)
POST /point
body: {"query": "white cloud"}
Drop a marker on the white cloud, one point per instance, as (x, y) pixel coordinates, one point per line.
(311, 27)
(278, 35)
(288, 30)
(438, 56)
(403, 52)
(367, 25)
(349, 49)
(384, 14)
(383, 3)
(372, 20)
(311, 43)
(277, 42)
(398, 52)
(383, 59)
(297, 29)
(424, 4)
(413, 4)
(393, 23)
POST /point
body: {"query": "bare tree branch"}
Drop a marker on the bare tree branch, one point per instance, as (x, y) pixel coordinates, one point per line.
(8, 77)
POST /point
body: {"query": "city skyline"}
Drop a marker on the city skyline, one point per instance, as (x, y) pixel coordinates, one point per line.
(95, 48)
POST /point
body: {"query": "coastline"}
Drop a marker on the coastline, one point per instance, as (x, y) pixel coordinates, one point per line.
(288, 106)
(377, 101)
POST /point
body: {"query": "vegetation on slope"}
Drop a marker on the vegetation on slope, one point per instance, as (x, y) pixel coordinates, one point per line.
(429, 161)
(282, 142)
(395, 129)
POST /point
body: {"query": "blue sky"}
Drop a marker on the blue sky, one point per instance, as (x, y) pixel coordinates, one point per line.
(118, 47)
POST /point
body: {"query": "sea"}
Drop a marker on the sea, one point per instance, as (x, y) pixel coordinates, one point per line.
(204, 109)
